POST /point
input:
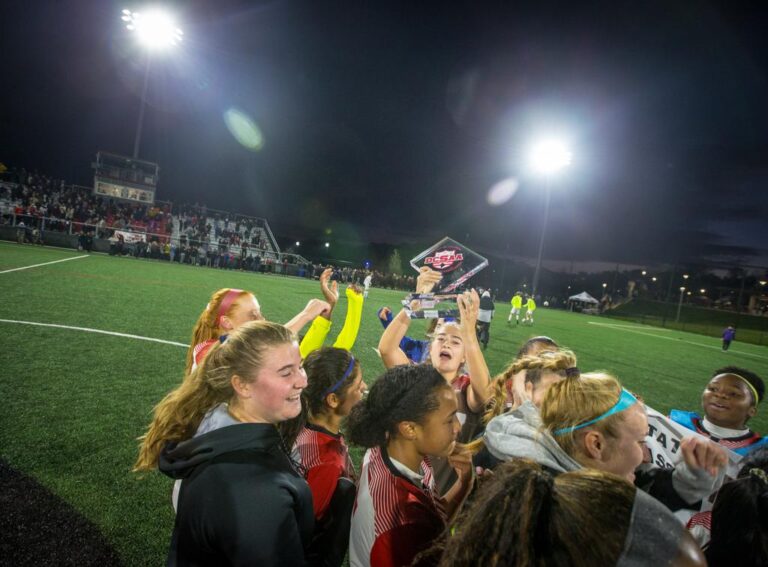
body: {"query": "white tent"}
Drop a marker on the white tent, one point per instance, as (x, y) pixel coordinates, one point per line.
(584, 297)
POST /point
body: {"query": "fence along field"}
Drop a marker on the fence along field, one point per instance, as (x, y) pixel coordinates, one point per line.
(75, 401)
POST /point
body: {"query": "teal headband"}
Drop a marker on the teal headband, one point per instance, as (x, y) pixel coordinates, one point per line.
(626, 400)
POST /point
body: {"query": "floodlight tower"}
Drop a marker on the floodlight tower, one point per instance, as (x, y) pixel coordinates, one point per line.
(547, 158)
(155, 30)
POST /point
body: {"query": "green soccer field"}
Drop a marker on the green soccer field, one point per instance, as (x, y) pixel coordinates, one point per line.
(74, 401)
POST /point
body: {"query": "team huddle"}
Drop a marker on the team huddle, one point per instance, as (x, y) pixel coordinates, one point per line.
(541, 465)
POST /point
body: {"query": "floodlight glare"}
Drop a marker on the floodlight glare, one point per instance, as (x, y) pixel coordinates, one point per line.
(550, 156)
(154, 29)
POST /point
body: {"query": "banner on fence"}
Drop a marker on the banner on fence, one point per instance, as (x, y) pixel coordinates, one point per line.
(131, 237)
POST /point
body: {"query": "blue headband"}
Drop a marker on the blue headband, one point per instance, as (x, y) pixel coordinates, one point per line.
(626, 400)
(338, 384)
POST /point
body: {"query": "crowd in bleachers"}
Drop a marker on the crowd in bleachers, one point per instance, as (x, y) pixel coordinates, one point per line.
(190, 234)
(70, 208)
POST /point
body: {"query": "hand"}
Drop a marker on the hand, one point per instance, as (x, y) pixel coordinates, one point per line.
(521, 391)
(353, 289)
(427, 279)
(469, 307)
(461, 461)
(331, 293)
(703, 454)
(317, 307)
(384, 313)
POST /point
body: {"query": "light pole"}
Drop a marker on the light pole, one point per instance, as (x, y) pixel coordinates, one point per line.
(547, 158)
(680, 304)
(155, 30)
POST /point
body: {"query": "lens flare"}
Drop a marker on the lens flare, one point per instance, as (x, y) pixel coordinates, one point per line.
(502, 192)
(244, 129)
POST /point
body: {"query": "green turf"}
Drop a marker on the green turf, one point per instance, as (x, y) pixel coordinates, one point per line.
(74, 402)
(710, 322)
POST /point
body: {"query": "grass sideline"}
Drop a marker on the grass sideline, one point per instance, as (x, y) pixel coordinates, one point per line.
(74, 402)
(704, 321)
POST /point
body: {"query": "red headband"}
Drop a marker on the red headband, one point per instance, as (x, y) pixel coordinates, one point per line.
(229, 298)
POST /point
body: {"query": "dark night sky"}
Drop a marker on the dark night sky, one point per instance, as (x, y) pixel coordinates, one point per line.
(392, 122)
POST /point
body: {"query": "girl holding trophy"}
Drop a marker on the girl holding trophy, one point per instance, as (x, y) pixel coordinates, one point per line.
(455, 353)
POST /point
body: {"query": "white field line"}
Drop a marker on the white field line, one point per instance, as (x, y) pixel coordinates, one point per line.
(43, 264)
(99, 331)
(634, 330)
(642, 328)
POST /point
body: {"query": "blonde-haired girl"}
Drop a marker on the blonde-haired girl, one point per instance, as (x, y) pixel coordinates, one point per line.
(217, 431)
(590, 421)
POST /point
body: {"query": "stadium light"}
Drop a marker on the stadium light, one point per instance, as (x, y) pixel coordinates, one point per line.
(680, 303)
(547, 158)
(155, 30)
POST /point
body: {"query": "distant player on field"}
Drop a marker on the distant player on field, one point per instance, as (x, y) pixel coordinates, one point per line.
(728, 335)
(517, 304)
(530, 307)
(367, 284)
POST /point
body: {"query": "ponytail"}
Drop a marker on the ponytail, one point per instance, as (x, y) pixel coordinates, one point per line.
(207, 325)
(575, 401)
(178, 415)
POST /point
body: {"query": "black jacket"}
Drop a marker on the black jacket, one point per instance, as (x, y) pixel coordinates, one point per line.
(486, 303)
(241, 502)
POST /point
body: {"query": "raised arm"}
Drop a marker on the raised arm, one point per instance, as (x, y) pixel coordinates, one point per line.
(389, 344)
(314, 308)
(480, 378)
(348, 334)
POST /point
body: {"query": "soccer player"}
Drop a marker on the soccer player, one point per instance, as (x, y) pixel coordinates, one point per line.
(517, 304)
(334, 386)
(530, 307)
(408, 417)
(728, 335)
(367, 283)
(729, 400)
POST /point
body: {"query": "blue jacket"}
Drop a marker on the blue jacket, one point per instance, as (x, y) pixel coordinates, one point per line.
(739, 445)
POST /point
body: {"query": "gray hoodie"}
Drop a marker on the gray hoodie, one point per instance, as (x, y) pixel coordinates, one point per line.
(519, 434)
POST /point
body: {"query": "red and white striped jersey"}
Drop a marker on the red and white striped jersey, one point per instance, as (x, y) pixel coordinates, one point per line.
(325, 457)
(394, 519)
(700, 527)
(199, 352)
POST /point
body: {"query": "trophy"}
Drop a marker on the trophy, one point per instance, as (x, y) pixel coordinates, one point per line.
(457, 264)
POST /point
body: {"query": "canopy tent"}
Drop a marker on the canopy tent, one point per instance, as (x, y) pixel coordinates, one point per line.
(584, 297)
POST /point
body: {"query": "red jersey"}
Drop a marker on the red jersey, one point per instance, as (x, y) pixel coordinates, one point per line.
(200, 350)
(325, 457)
(394, 518)
(700, 527)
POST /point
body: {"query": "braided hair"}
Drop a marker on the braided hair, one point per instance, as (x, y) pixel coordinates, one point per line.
(561, 362)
